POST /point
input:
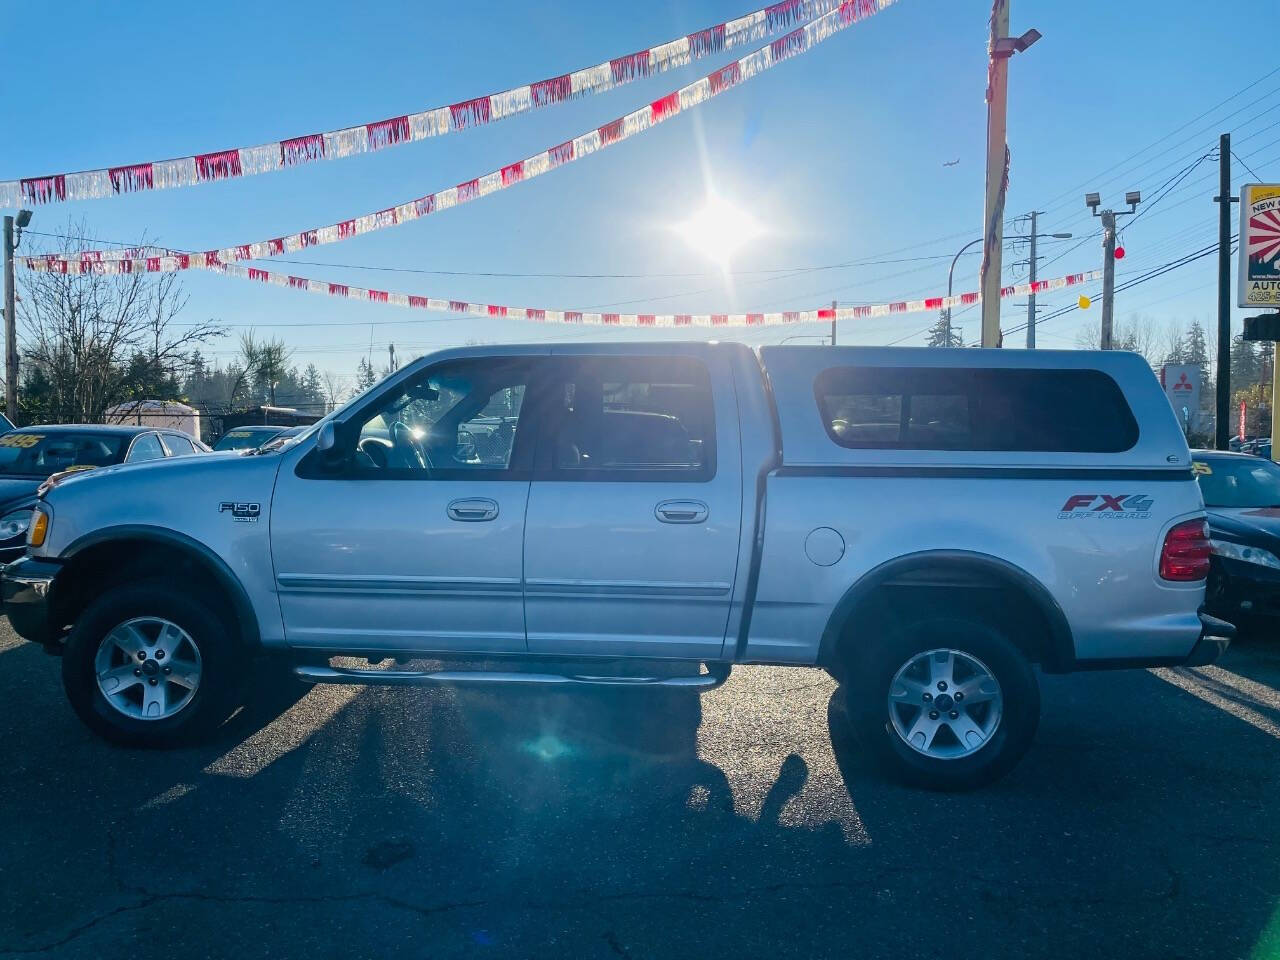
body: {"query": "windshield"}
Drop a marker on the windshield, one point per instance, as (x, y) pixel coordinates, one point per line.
(243, 437)
(30, 453)
(1243, 482)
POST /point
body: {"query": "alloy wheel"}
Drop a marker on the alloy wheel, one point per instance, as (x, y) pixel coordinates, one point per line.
(148, 668)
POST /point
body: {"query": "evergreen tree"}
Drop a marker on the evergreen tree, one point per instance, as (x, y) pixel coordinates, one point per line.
(365, 377)
(1246, 364)
(938, 335)
(1196, 348)
(312, 386)
(1196, 352)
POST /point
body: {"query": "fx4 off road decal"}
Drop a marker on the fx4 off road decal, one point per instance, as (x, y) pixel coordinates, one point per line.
(1084, 506)
(241, 512)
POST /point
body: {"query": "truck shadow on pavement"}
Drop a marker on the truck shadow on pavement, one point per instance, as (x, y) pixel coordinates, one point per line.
(360, 822)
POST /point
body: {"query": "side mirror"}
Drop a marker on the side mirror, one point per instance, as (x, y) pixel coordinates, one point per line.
(327, 438)
(329, 453)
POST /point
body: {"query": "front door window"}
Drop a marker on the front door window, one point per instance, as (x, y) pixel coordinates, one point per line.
(459, 421)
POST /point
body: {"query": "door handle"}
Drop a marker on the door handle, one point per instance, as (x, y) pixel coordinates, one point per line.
(473, 510)
(681, 511)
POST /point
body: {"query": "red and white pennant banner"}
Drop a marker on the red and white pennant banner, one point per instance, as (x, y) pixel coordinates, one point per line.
(540, 315)
(792, 44)
(367, 137)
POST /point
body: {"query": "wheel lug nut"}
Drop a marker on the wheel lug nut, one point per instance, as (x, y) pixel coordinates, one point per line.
(959, 696)
(159, 654)
(928, 697)
(141, 655)
(933, 714)
(137, 672)
(152, 681)
(954, 715)
(942, 684)
(168, 670)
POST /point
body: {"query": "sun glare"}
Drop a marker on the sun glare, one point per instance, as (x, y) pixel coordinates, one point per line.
(719, 230)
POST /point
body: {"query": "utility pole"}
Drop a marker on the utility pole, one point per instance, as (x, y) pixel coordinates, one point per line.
(1000, 48)
(1108, 217)
(1108, 277)
(1031, 297)
(833, 323)
(11, 240)
(391, 350)
(1222, 433)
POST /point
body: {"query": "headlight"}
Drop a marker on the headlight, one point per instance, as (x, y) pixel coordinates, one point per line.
(15, 524)
(1238, 551)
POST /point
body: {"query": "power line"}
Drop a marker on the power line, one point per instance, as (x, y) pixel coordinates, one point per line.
(1136, 281)
(1266, 76)
(1245, 165)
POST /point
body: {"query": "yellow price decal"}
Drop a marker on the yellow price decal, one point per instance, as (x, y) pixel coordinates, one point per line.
(23, 440)
(77, 467)
(239, 433)
(1200, 469)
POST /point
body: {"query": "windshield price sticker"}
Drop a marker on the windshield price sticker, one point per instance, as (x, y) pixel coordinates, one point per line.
(23, 440)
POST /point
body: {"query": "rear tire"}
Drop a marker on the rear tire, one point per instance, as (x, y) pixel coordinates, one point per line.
(906, 703)
(150, 665)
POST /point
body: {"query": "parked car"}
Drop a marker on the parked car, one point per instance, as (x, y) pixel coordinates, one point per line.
(926, 525)
(31, 456)
(281, 438)
(243, 438)
(1242, 496)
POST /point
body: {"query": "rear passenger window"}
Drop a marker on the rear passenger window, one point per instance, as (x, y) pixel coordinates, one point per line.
(930, 408)
(633, 419)
(146, 447)
(178, 446)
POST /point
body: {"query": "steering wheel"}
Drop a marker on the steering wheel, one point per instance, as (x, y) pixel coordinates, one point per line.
(406, 450)
(376, 451)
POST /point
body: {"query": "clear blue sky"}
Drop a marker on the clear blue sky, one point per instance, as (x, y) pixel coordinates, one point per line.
(839, 153)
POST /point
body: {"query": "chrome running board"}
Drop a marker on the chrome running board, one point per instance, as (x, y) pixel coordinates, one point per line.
(402, 678)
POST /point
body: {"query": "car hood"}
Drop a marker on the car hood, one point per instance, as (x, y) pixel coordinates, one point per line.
(13, 490)
(1258, 526)
(175, 465)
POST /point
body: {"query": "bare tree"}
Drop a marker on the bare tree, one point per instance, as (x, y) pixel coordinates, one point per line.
(334, 391)
(265, 362)
(92, 340)
(1138, 334)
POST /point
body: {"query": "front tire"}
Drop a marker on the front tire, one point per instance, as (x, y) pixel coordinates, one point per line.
(945, 704)
(149, 665)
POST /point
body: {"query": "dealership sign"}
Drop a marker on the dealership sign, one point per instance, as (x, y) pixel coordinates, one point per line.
(1181, 382)
(1259, 283)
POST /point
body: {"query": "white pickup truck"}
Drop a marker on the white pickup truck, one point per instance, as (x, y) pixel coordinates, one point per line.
(927, 525)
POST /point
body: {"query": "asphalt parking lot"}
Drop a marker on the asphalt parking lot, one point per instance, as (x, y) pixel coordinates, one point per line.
(353, 822)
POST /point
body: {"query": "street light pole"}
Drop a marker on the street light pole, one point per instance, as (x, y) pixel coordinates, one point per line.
(1108, 278)
(1000, 48)
(1108, 217)
(951, 272)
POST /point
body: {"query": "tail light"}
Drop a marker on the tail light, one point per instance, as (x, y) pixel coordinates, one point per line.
(1185, 554)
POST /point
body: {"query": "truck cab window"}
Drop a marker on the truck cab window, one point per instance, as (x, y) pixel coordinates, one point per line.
(634, 419)
(943, 408)
(458, 420)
